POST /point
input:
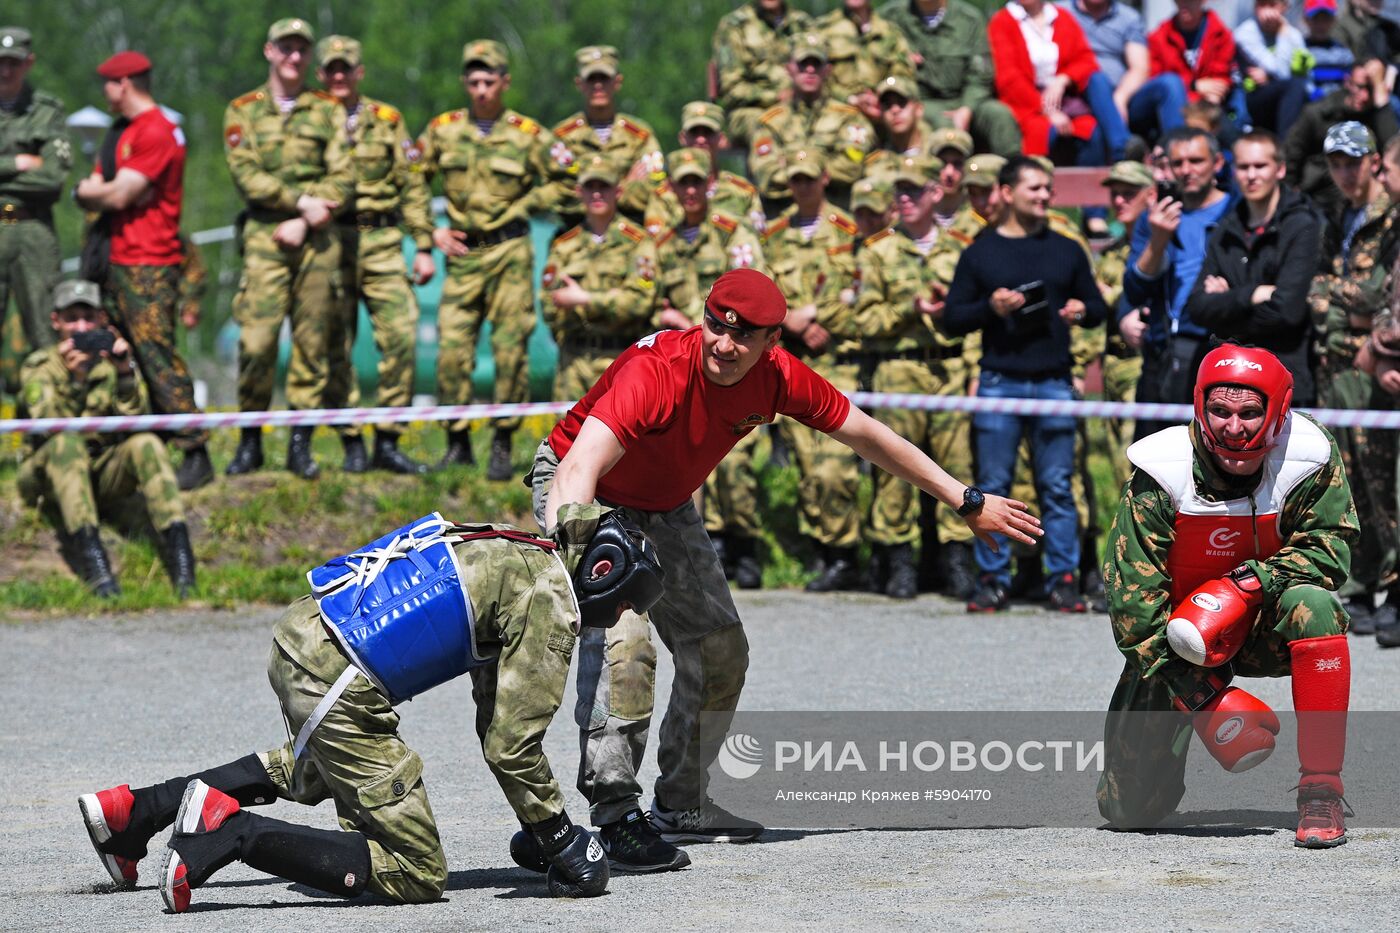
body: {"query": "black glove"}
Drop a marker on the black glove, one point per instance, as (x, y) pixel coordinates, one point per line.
(577, 865)
(526, 852)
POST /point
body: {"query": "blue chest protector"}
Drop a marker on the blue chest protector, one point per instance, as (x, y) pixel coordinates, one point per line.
(399, 609)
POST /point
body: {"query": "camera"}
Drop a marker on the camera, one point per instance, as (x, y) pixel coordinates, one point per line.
(94, 342)
(1168, 189)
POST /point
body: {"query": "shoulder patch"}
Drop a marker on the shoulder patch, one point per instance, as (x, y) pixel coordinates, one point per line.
(525, 124)
(324, 95)
(568, 126)
(773, 113)
(958, 235)
(635, 234)
(839, 250)
(665, 235)
(777, 226)
(248, 98)
(387, 114)
(452, 116)
(844, 224)
(740, 182)
(837, 107)
(633, 128)
(727, 224)
(568, 234)
(877, 237)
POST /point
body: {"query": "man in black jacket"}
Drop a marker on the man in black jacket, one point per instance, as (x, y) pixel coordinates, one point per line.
(1253, 288)
(1365, 98)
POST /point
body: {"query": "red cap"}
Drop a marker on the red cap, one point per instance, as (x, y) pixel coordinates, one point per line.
(124, 65)
(747, 297)
(1319, 6)
(1251, 368)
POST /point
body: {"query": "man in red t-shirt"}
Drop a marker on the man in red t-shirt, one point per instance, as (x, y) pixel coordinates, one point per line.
(138, 190)
(643, 439)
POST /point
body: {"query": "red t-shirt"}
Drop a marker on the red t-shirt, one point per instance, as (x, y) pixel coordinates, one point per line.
(676, 425)
(147, 233)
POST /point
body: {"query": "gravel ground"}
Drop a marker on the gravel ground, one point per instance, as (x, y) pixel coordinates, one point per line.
(100, 701)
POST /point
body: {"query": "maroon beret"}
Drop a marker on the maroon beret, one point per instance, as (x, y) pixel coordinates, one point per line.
(124, 65)
(747, 297)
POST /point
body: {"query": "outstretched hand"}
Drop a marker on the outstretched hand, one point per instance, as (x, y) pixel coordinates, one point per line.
(1006, 517)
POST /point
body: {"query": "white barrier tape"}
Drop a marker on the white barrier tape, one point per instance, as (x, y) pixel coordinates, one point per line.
(1335, 417)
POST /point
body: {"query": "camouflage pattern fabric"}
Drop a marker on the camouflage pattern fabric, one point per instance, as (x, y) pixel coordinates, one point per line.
(688, 269)
(841, 132)
(194, 280)
(861, 59)
(632, 150)
(751, 58)
(1122, 366)
(729, 194)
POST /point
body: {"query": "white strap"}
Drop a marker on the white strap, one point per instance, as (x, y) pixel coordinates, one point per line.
(322, 708)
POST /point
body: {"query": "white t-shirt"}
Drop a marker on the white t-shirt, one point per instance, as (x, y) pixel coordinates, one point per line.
(1040, 41)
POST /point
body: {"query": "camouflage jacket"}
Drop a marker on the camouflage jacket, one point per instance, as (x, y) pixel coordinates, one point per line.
(751, 56)
(49, 390)
(956, 70)
(35, 127)
(631, 146)
(1345, 298)
(688, 270)
(820, 271)
(383, 156)
(1318, 526)
(893, 272)
(620, 273)
(860, 60)
(275, 159)
(839, 130)
(491, 180)
(883, 160)
(729, 194)
(1110, 268)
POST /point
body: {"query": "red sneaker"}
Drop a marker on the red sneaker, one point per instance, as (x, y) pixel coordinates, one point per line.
(1321, 823)
(106, 813)
(203, 810)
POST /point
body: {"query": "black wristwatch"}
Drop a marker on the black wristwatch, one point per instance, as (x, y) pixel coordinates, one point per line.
(972, 501)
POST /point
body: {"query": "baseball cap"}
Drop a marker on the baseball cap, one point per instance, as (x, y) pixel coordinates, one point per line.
(1349, 138)
(487, 52)
(338, 49)
(690, 162)
(77, 292)
(124, 65)
(809, 45)
(596, 59)
(806, 162)
(916, 169)
(1129, 172)
(951, 138)
(873, 194)
(597, 168)
(897, 84)
(1313, 7)
(15, 42)
(286, 28)
(982, 169)
(702, 113)
(747, 298)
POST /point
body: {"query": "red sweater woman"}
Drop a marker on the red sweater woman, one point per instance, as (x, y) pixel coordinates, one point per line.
(1037, 91)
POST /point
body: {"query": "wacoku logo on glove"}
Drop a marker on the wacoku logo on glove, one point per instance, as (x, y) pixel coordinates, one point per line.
(1206, 602)
(741, 756)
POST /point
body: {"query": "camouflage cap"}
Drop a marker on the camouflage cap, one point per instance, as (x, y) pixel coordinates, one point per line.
(897, 84)
(1129, 172)
(77, 292)
(950, 138)
(487, 52)
(15, 42)
(807, 162)
(873, 194)
(1349, 138)
(289, 28)
(338, 49)
(982, 169)
(1045, 163)
(702, 113)
(809, 45)
(690, 162)
(598, 168)
(916, 169)
(596, 59)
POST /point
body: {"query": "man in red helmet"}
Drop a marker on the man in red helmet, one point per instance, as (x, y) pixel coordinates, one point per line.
(1233, 538)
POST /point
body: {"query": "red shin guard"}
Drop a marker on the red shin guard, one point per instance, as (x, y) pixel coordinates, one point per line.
(1321, 694)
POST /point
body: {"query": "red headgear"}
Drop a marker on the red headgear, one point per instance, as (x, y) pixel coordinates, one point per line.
(1254, 369)
(748, 298)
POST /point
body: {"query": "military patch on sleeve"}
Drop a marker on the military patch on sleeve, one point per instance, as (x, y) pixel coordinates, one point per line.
(562, 642)
(561, 154)
(233, 136)
(550, 273)
(646, 271)
(758, 221)
(741, 256)
(412, 151)
(655, 164)
(764, 146)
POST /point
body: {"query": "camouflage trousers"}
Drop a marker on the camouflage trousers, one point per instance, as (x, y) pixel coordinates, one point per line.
(356, 758)
(29, 258)
(1120, 379)
(827, 494)
(944, 435)
(302, 283)
(66, 474)
(699, 625)
(488, 284)
(372, 270)
(578, 370)
(731, 492)
(1145, 755)
(142, 302)
(993, 127)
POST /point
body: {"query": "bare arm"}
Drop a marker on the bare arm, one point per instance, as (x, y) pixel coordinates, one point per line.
(595, 451)
(1139, 67)
(116, 195)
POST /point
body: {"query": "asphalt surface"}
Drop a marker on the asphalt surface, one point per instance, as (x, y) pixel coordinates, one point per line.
(99, 701)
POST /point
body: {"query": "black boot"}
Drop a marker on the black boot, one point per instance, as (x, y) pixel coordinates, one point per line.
(722, 553)
(299, 459)
(499, 469)
(1362, 610)
(903, 581)
(92, 557)
(356, 459)
(195, 470)
(1386, 623)
(387, 456)
(840, 573)
(959, 577)
(877, 571)
(249, 455)
(459, 450)
(748, 572)
(179, 558)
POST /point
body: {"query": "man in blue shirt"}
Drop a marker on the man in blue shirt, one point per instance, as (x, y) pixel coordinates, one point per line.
(1150, 106)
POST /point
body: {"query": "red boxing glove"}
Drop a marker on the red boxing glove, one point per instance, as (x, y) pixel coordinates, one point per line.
(1237, 728)
(1210, 625)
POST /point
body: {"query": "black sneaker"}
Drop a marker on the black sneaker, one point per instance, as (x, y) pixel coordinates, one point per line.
(990, 597)
(633, 846)
(1385, 622)
(1065, 595)
(1363, 615)
(708, 822)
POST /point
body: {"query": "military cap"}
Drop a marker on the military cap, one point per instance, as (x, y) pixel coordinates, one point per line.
(124, 65)
(950, 138)
(897, 84)
(1045, 163)
(598, 168)
(15, 42)
(690, 162)
(486, 52)
(702, 113)
(1349, 138)
(873, 194)
(747, 298)
(596, 59)
(916, 169)
(1129, 172)
(287, 28)
(338, 49)
(806, 162)
(77, 292)
(982, 169)
(809, 45)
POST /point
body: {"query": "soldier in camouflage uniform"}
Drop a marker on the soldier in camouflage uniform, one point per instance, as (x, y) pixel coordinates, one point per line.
(954, 70)
(1266, 574)
(625, 141)
(35, 157)
(70, 474)
(750, 51)
(864, 49)
(600, 283)
(496, 171)
(702, 127)
(389, 197)
(810, 254)
(525, 619)
(904, 273)
(901, 128)
(811, 120)
(284, 144)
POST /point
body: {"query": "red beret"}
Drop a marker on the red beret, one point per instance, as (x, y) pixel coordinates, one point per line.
(751, 297)
(124, 65)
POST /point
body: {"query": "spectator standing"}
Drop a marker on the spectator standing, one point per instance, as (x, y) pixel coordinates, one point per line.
(1271, 50)
(1363, 97)
(1329, 59)
(751, 47)
(1149, 105)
